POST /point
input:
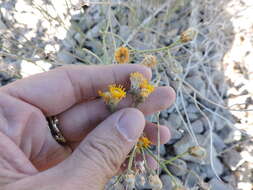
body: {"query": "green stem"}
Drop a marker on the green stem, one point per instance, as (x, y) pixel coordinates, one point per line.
(162, 165)
(157, 49)
(130, 163)
(175, 158)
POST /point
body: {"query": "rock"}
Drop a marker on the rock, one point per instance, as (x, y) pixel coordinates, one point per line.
(166, 180)
(219, 123)
(28, 68)
(187, 141)
(184, 144)
(196, 82)
(2, 25)
(95, 31)
(197, 126)
(232, 136)
(191, 180)
(64, 57)
(218, 143)
(124, 31)
(175, 135)
(233, 159)
(164, 114)
(174, 120)
(179, 167)
(162, 150)
(219, 185)
(193, 116)
(209, 171)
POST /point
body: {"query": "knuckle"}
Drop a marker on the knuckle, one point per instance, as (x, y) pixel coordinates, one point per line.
(106, 152)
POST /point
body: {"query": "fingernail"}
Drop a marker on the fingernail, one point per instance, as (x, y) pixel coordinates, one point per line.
(131, 124)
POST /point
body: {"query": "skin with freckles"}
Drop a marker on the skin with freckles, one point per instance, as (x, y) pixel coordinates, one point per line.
(98, 141)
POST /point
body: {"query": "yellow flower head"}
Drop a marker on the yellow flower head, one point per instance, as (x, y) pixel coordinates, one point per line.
(140, 86)
(149, 61)
(136, 79)
(113, 96)
(144, 142)
(122, 55)
(146, 89)
(117, 92)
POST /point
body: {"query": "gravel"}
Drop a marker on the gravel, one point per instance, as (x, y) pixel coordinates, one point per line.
(206, 64)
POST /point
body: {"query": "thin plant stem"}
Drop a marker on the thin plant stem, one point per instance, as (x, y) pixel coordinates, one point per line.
(177, 42)
(162, 165)
(131, 158)
(175, 158)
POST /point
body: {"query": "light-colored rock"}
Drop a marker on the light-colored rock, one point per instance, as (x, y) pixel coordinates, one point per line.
(233, 159)
(174, 120)
(166, 180)
(64, 57)
(219, 185)
(179, 167)
(197, 126)
(175, 135)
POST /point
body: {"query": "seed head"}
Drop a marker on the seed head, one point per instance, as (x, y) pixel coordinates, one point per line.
(149, 61)
(188, 35)
(197, 151)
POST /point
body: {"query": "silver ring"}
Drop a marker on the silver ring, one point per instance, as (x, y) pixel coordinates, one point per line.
(53, 124)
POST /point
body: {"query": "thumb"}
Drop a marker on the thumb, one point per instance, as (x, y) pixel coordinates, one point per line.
(102, 152)
(96, 159)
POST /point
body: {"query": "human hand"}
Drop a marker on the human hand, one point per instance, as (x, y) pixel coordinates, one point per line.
(97, 142)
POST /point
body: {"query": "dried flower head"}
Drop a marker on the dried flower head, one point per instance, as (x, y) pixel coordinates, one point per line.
(197, 151)
(140, 87)
(155, 182)
(113, 96)
(122, 55)
(149, 61)
(188, 35)
(144, 142)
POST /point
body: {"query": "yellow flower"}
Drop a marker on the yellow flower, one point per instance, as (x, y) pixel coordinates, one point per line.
(136, 79)
(149, 61)
(122, 55)
(140, 87)
(146, 89)
(117, 92)
(144, 142)
(113, 96)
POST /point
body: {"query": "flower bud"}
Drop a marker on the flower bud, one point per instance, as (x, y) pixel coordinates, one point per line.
(197, 151)
(188, 35)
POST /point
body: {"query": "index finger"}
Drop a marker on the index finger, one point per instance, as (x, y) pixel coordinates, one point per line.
(57, 90)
